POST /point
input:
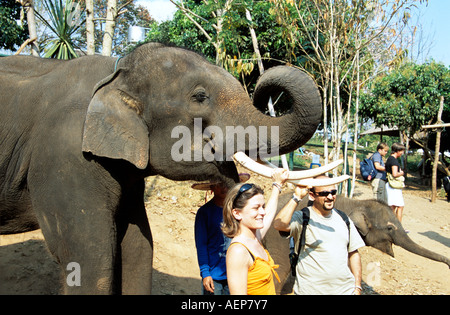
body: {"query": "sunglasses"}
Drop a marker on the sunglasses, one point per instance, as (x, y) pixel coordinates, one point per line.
(326, 193)
(242, 190)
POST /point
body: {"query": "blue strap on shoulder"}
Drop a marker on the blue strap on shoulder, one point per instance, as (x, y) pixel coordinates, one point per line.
(117, 62)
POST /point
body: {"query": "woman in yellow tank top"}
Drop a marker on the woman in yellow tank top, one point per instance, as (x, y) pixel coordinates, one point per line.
(259, 276)
(247, 218)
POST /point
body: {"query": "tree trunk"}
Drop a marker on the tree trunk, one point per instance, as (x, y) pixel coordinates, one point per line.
(29, 9)
(436, 153)
(220, 15)
(220, 55)
(255, 42)
(325, 125)
(111, 14)
(356, 119)
(405, 156)
(90, 39)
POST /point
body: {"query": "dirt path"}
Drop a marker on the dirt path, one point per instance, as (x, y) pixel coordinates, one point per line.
(27, 268)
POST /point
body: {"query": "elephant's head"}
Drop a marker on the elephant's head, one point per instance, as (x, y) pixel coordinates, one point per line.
(380, 228)
(169, 111)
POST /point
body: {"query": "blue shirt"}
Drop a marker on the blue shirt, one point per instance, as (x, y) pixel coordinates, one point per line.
(378, 158)
(211, 244)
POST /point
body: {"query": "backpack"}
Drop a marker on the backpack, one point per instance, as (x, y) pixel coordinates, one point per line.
(293, 256)
(367, 169)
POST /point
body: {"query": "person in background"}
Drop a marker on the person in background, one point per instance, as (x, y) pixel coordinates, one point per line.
(394, 196)
(379, 182)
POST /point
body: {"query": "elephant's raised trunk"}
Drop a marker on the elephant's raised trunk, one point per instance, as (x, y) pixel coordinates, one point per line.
(300, 106)
(303, 115)
(405, 242)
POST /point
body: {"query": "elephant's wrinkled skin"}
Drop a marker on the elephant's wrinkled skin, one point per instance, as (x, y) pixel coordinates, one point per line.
(77, 139)
(375, 222)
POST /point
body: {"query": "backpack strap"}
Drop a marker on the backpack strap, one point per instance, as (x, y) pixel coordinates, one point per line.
(301, 245)
(344, 217)
(347, 222)
(301, 241)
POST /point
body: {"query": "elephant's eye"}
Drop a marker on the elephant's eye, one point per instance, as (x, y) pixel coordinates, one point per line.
(200, 96)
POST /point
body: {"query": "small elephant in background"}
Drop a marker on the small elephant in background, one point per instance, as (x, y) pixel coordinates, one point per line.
(375, 222)
(78, 138)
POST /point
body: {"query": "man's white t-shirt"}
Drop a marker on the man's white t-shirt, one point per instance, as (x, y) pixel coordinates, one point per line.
(322, 267)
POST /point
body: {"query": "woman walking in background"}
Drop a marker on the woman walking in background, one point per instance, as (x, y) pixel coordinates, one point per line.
(395, 174)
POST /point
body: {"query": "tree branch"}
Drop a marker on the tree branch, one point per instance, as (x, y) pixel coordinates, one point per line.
(25, 43)
(188, 13)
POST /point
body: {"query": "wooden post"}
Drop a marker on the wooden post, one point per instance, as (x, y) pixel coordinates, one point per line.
(436, 152)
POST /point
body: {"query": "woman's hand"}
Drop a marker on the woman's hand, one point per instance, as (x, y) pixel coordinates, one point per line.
(280, 175)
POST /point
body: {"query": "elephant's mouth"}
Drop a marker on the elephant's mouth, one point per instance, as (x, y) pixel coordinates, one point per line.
(228, 170)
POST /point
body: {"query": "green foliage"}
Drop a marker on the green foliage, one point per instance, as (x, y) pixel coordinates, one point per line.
(408, 97)
(236, 49)
(12, 33)
(180, 31)
(63, 20)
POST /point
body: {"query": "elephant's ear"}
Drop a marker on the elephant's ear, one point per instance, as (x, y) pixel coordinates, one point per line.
(114, 126)
(361, 222)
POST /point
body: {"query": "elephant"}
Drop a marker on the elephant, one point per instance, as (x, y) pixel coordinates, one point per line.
(375, 222)
(79, 137)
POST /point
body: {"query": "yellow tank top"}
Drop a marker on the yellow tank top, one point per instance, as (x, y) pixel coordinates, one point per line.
(260, 278)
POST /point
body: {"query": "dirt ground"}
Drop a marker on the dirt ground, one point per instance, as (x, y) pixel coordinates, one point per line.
(27, 268)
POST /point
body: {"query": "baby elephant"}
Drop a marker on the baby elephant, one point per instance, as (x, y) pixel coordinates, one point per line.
(375, 222)
(380, 228)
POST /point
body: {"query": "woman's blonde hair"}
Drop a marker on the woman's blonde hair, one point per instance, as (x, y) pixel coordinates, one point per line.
(236, 200)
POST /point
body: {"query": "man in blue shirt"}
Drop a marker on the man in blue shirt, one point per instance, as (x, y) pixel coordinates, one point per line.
(211, 244)
(379, 182)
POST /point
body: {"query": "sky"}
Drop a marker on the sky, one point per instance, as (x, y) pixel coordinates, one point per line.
(160, 10)
(434, 19)
(436, 25)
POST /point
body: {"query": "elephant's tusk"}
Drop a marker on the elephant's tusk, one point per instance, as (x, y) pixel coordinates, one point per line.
(267, 163)
(314, 171)
(313, 182)
(266, 171)
(253, 166)
(293, 175)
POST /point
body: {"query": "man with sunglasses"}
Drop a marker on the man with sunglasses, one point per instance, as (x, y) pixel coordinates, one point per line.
(330, 262)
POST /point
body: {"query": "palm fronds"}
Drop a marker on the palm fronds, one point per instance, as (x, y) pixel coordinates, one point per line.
(63, 20)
